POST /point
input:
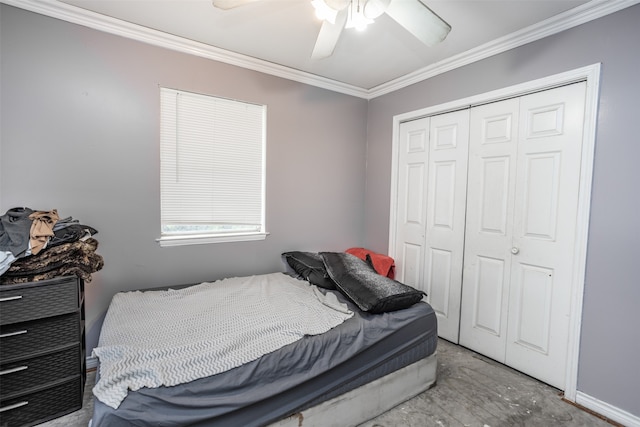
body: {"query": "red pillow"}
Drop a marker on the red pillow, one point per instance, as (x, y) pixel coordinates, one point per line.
(383, 264)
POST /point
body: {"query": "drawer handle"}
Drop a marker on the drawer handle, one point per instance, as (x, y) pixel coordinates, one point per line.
(12, 370)
(11, 334)
(14, 406)
(10, 298)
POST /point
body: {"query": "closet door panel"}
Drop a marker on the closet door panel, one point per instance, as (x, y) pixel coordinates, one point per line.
(494, 195)
(412, 202)
(446, 199)
(439, 280)
(411, 258)
(489, 222)
(532, 307)
(488, 290)
(545, 212)
(540, 200)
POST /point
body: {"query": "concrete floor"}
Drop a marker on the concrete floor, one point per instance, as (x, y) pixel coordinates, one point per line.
(471, 391)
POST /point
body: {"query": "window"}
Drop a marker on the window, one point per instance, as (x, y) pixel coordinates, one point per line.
(212, 169)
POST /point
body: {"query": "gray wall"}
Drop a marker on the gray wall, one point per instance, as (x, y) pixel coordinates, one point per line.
(610, 341)
(80, 133)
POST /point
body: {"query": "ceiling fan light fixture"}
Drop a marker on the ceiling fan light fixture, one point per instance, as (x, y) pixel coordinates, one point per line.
(356, 18)
(324, 11)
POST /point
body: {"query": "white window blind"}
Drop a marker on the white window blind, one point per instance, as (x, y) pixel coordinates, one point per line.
(212, 166)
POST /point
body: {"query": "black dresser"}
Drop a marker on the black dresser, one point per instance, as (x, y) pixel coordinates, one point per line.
(42, 350)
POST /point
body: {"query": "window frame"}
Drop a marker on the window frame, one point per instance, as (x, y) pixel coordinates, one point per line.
(169, 240)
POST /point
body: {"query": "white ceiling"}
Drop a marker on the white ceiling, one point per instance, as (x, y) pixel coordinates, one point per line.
(283, 32)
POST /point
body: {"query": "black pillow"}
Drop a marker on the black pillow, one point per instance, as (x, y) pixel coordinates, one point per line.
(310, 267)
(370, 291)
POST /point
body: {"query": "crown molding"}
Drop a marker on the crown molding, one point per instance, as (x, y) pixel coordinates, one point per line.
(77, 15)
(587, 12)
(582, 14)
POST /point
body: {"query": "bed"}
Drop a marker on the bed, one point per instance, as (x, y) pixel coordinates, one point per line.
(364, 363)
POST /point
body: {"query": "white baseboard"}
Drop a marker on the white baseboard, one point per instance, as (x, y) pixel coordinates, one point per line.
(605, 409)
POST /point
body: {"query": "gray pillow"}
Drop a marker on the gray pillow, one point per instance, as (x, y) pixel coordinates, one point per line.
(310, 267)
(370, 291)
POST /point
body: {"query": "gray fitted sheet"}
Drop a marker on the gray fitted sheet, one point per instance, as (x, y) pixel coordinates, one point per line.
(297, 376)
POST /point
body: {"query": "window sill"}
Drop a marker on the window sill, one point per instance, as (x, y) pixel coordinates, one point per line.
(209, 238)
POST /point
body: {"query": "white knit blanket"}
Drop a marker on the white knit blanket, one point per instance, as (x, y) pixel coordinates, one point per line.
(156, 338)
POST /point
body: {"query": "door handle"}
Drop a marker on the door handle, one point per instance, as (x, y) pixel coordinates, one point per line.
(515, 250)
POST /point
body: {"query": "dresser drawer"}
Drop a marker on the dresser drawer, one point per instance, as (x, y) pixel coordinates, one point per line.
(20, 340)
(18, 376)
(41, 406)
(19, 303)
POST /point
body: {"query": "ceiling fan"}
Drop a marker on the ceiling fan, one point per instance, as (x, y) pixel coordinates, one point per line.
(336, 15)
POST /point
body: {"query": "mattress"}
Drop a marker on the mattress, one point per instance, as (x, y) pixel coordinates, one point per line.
(288, 380)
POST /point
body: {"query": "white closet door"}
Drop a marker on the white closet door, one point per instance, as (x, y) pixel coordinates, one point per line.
(413, 152)
(487, 267)
(521, 216)
(546, 206)
(446, 198)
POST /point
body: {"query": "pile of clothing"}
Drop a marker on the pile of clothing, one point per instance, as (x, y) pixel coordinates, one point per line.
(39, 245)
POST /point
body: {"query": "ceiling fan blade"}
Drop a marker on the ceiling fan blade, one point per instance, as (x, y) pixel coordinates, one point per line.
(230, 4)
(328, 36)
(419, 20)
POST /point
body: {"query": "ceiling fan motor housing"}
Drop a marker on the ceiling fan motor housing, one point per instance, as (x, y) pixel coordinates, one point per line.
(374, 8)
(337, 5)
